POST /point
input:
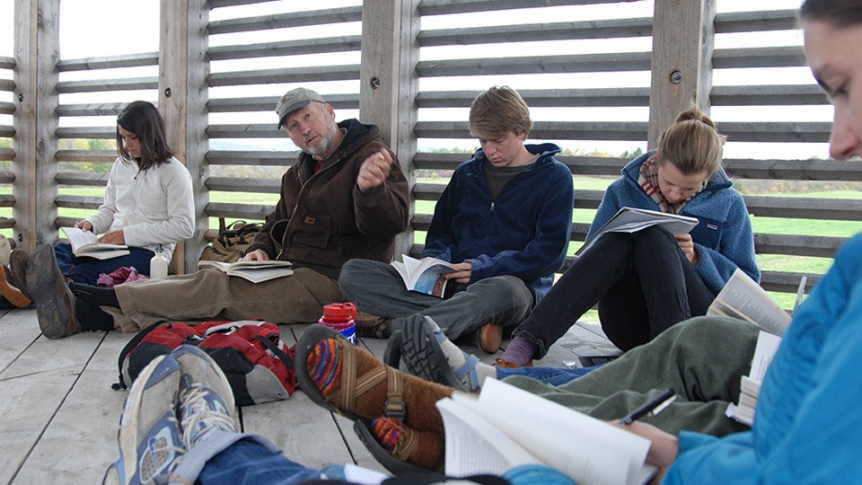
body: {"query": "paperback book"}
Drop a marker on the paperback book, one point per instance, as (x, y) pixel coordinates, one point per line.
(254, 271)
(86, 244)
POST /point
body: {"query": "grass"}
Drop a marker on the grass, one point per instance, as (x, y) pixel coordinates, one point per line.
(768, 225)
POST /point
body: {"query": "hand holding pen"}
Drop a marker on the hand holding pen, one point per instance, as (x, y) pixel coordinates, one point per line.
(651, 408)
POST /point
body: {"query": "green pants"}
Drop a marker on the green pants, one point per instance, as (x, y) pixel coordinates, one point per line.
(702, 359)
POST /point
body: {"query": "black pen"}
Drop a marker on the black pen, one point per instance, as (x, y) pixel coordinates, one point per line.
(651, 408)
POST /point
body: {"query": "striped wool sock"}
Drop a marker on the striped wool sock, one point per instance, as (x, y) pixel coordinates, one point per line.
(324, 365)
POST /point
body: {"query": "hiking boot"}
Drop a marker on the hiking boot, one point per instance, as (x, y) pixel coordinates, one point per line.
(488, 337)
(54, 300)
(372, 326)
(18, 271)
(206, 399)
(149, 436)
(9, 291)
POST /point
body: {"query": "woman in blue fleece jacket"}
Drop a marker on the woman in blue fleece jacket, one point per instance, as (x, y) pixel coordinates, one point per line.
(649, 280)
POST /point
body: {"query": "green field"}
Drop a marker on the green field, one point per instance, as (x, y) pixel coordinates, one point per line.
(769, 225)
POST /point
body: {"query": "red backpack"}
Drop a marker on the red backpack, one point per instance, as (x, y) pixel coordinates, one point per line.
(258, 365)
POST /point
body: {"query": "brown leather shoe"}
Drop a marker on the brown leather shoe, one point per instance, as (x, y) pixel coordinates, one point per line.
(489, 337)
(18, 270)
(12, 294)
(371, 326)
(55, 304)
(499, 362)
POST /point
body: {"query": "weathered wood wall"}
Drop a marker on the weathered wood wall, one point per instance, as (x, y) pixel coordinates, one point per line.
(384, 88)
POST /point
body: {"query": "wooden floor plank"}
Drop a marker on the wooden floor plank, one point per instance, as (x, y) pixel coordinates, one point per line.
(81, 441)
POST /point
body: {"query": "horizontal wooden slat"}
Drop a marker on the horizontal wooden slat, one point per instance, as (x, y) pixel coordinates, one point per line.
(546, 130)
(790, 132)
(613, 62)
(286, 48)
(78, 202)
(6, 131)
(232, 105)
(285, 20)
(593, 29)
(234, 3)
(7, 200)
(82, 178)
(257, 130)
(795, 245)
(102, 85)
(759, 57)
(236, 157)
(7, 154)
(239, 211)
(249, 185)
(86, 155)
(6, 177)
(445, 7)
(101, 109)
(88, 132)
(821, 170)
(7, 85)
(787, 282)
(278, 76)
(7, 62)
(539, 98)
(7, 108)
(783, 94)
(7, 222)
(109, 62)
(758, 21)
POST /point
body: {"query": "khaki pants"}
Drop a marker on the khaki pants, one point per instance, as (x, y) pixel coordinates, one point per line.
(210, 294)
(702, 359)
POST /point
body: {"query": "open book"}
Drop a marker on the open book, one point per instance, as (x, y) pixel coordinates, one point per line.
(744, 299)
(85, 243)
(629, 219)
(254, 271)
(423, 275)
(506, 427)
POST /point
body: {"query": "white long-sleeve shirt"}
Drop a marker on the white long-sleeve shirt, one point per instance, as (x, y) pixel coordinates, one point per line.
(151, 206)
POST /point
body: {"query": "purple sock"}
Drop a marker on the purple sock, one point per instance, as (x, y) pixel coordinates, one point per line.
(520, 351)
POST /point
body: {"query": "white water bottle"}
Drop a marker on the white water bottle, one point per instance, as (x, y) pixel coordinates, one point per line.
(158, 264)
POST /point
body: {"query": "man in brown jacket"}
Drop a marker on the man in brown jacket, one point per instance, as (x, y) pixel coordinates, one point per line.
(344, 198)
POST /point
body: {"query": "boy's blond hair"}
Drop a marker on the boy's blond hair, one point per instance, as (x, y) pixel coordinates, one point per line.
(497, 112)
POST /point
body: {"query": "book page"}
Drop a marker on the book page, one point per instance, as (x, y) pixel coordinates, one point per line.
(764, 351)
(473, 445)
(78, 238)
(589, 450)
(631, 220)
(744, 299)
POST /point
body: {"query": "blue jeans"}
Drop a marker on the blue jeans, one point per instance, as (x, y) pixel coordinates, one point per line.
(549, 375)
(87, 270)
(376, 288)
(247, 462)
(642, 282)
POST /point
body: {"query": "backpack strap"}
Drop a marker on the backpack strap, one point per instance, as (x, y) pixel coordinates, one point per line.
(288, 361)
(121, 383)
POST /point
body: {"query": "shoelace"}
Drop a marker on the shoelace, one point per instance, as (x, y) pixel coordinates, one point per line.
(159, 450)
(199, 417)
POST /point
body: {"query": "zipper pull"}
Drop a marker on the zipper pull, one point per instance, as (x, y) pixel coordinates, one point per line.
(492, 206)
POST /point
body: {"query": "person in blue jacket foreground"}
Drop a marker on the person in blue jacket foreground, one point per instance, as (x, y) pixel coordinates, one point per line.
(646, 281)
(503, 221)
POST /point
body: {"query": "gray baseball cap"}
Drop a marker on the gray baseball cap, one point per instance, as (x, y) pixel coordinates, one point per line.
(293, 100)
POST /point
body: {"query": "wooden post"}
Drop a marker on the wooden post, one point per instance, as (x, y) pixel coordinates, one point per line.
(389, 83)
(183, 69)
(681, 61)
(37, 50)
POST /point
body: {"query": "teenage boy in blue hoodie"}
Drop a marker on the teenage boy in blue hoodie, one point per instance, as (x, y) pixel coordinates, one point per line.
(503, 222)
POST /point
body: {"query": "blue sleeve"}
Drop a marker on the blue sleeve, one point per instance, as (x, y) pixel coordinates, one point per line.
(546, 252)
(736, 250)
(611, 203)
(820, 441)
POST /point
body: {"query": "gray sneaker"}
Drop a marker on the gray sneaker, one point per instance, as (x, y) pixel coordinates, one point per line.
(149, 437)
(55, 304)
(206, 399)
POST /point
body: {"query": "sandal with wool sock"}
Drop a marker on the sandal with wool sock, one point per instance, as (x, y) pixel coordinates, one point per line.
(348, 380)
(401, 450)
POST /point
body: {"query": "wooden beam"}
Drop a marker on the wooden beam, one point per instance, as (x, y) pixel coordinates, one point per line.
(388, 82)
(681, 32)
(183, 94)
(37, 32)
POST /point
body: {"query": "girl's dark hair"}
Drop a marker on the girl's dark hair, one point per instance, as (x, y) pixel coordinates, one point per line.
(143, 119)
(838, 13)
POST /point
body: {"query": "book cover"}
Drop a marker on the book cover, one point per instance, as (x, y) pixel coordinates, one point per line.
(423, 275)
(629, 219)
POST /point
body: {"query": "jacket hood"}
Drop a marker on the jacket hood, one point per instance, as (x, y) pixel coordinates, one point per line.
(546, 150)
